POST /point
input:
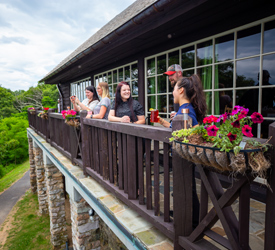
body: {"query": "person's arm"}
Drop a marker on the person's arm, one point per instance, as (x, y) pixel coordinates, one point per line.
(113, 118)
(73, 100)
(101, 114)
(163, 122)
(141, 119)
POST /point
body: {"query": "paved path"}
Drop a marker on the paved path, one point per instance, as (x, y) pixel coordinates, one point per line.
(9, 198)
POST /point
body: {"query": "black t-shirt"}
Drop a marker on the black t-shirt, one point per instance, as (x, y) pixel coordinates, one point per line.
(124, 109)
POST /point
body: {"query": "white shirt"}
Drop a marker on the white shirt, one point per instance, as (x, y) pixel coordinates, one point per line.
(91, 105)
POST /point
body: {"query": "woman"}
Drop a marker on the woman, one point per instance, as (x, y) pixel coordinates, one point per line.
(188, 92)
(125, 108)
(87, 104)
(101, 110)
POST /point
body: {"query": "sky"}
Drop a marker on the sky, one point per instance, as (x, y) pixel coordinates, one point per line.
(36, 35)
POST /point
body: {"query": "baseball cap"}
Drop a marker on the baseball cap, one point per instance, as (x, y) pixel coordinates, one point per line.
(173, 69)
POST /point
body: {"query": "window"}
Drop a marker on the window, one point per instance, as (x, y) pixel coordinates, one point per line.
(78, 88)
(236, 68)
(127, 73)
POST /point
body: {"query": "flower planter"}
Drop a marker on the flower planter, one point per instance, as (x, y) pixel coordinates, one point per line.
(73, 122)
(252, 160)
(44, 116)
(32, 112)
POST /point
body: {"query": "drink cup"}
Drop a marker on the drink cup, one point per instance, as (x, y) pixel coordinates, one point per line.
(154, 116)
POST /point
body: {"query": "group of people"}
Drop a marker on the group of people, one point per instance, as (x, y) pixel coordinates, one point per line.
(188, 93)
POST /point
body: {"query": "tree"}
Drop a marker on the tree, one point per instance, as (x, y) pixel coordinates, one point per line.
(6, 103)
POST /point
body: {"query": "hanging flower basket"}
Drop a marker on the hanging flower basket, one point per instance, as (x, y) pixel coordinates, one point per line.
(44, 114)
(251, 160)
(31, 110)
(73, 121)
(222, 146)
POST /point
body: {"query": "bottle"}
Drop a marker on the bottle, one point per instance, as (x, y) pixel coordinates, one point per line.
(186, 118)
(182, 120)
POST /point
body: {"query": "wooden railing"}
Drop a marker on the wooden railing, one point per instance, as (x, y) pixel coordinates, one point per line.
(130, 161)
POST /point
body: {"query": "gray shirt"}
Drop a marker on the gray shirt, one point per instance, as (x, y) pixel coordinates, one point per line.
(106, 102)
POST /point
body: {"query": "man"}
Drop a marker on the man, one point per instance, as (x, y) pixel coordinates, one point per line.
(174, 72)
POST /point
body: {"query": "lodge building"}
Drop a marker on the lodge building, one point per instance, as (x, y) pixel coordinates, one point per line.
(231, 46)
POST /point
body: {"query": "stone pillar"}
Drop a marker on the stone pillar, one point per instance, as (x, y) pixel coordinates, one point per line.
(56, 199)
(32, 167)
(85, 231)
(41, 182)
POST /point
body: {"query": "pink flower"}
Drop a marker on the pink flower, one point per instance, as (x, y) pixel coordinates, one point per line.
(243, 114)
(236, 124)
(212, 130)
(257, 117)
(236, 109)
(231, 136)
(246, 130)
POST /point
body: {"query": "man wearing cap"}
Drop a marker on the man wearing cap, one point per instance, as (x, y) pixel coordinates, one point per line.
(174, 72)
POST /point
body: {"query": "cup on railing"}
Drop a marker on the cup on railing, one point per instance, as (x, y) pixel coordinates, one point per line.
(154, 116)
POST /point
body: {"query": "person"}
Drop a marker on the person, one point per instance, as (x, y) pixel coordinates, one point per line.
(188, 93)
(87, 104)
(125, 108)
(225, 100)
(174, 73)
(101, 110)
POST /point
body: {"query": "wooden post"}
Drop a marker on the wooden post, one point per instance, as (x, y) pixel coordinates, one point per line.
(182, 193)
(85, 142)
(270, 198)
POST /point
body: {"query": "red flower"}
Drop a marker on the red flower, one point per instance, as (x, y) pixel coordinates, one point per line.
(231, 136)
(210, 119)
(46, 109)
(236, 124)
(257, 117)
(246, 130)
(212, 130)
(242, 115)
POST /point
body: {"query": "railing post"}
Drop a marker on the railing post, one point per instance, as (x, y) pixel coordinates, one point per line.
(85, 142)
(270, 197)
(182, 193)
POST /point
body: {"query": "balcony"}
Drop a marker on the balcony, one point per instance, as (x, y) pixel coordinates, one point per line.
(135, 164)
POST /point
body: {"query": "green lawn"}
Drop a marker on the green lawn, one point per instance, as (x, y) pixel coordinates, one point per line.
(7, 180)
(30, 230)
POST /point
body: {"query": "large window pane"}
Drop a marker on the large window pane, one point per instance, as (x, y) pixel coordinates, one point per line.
(151, 67)
(120, 75)
(247, 72)
(151, 85)
(134, 87)
(161, 84)
(188, 57)
(188, 73)
(208, 97)
(249, 98)
(109, 79)
(269, 37)
(206, 77)
(268, 102)
(152, 102)
(224, 48)
(204, 53)
(224, 75)
(248, 42)
(269, 66)
(134, 71)
(127, 74)
(111, 91)
(225, 100)
(162, 103)
(161, 64)
(171, 103)
(173, 58)
(115, 76)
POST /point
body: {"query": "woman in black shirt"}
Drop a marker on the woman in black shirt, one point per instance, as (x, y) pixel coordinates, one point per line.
(125, 108)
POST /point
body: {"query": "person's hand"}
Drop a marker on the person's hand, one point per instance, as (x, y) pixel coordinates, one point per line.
(172, 115)
(72, 98)
(125, 119)
(77, 100)
(89, 115)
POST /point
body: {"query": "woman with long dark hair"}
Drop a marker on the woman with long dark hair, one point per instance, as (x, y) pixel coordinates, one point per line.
(125, 108)
(87, 104)
(188, 92)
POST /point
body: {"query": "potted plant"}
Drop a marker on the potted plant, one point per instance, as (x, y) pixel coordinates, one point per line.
(219, 143)
(70, 118)
(31, 110)
(44, 114)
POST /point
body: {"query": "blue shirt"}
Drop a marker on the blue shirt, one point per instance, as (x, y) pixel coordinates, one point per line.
(192, 113)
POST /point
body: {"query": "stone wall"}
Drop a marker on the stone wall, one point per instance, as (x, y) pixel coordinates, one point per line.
(32, 167)
(56, 201)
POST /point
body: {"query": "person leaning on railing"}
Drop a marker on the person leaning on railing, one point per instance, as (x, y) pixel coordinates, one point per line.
(102, 109)
(188, 93)
(87, 104)
(125, 108)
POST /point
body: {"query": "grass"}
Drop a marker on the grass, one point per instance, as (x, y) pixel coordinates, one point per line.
(7, 180)
(29, 229)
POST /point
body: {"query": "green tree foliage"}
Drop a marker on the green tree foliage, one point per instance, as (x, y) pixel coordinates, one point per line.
(6, 103)
(13, 141)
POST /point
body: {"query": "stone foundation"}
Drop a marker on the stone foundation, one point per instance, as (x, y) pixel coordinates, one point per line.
(32, 167)
(56, 200)
(41, 181)
(85, 231)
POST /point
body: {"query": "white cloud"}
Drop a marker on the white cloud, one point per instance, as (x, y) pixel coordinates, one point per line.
(36, 35)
